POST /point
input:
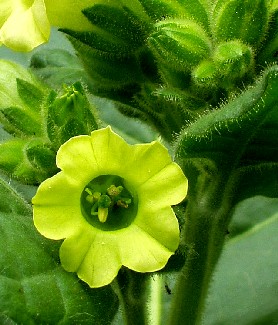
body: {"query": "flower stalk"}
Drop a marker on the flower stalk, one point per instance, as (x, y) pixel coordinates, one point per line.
(132, 290)
(207, 218)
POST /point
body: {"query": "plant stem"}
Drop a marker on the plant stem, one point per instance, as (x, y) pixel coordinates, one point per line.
(132, 289)
(154, 303)
(207, 218)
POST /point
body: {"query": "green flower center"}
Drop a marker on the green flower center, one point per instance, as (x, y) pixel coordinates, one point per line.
(108, 204)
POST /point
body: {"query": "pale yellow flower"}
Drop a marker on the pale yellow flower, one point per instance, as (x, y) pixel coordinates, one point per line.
(111, 203)
(25, 24)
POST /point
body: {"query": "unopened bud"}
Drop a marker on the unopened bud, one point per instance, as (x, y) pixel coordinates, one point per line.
(246, 20)
(179, 43)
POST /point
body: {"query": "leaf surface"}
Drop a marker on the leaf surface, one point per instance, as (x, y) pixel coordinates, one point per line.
(34, 288)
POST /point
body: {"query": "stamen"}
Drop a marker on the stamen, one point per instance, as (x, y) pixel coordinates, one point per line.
(102, 214)
(123, 202)
(114, 190)
(103, 200)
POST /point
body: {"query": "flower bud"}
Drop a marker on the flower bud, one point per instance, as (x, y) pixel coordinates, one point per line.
(70, 114)
(268, 51)
(196, 10)
(180, 44)
(41, 156)
(118, 28)
(233, 60)
(246, 20)
(11, 154)
(205, 74)
(31, 161)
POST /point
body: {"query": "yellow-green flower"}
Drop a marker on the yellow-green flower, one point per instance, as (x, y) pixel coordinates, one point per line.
(25, 24)
(112, 204)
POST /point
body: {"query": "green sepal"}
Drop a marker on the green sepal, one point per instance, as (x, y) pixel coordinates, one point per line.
(159, 9)
(112, 77)
(69, 114)
(14, 81)
(31, 162)
(196, 10)
(233, 60)
(20, 105)
(173, 77)
(30, 94)
(205, 74)
(102, 41)
(117, 30)
(179, 43)
(269, 48)
(41, 156)
(176, 261)
(236, 19)
(11, 154)
(168, 109)
(39, 123)
(20, 122)
(120, 25)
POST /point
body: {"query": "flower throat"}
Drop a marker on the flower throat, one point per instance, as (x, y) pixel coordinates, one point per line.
(107, 203)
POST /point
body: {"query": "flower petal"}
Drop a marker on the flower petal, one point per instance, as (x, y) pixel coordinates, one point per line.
(77, 160)
(146, 244)
(141, 252)
(111, 151)
(86, 157)
(146, 160)
(6, 8)
(167, 187)
(160, 224)
(93, 255)
(26, 28)
(56, 207)
(68, 14)
(58, 190)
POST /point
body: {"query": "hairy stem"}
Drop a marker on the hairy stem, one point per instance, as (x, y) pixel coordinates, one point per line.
(207, 218)
(132, 290)
(154, 303)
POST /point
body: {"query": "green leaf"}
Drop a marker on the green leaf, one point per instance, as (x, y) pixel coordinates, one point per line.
(10, 73)
(29, 94)
(251, 212)
(238, 140)
(57, 67)
(34, 289)
(11, 201)
(245, 286)
(130, 129)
